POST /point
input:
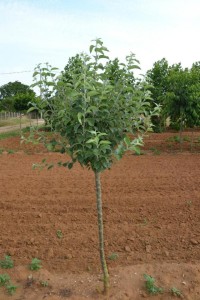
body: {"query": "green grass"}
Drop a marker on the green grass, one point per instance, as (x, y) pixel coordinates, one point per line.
(150, 286)
(35, 264)
(14, 121)
(113, 256)
(59, 234)
(7, 262)
(6, 135)
(11, 288)
(4, 279)
(176, 293)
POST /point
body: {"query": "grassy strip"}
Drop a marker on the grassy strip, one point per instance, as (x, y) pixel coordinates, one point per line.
(9, 134)
(14, 121)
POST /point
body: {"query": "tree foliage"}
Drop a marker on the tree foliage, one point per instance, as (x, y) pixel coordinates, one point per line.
(177, 90)
(15, 96)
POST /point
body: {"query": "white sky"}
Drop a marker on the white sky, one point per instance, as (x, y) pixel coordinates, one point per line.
(37, 31)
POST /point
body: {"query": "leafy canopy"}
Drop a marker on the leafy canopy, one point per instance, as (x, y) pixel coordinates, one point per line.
(95, 109)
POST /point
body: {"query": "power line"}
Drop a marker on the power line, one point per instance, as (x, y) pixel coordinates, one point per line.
(27, 71)
(7, 73)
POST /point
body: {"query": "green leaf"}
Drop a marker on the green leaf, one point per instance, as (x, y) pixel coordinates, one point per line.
(30, 109)
(93, 93)
(133, 67)
(91, 141)
(105, 142)
(127, 140)
(50, 166)
(91, 48)
(136, 149)
(70, 165)
(104, 56)
(80, 115)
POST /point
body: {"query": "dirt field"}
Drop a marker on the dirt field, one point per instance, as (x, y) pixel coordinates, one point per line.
(151, 207)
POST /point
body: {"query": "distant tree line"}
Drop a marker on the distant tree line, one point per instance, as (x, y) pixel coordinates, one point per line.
(175, 88)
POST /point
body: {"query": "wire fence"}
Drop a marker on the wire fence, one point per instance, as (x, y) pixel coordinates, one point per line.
(9, 115)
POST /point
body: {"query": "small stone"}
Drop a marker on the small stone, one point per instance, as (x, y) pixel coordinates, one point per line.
(143, 295)
(166, 253)
(50, 253)
(148, 248)
(194, 242)
(40, 215)
(158, 227)
(131, 239)
(69, 256)
(127, 249)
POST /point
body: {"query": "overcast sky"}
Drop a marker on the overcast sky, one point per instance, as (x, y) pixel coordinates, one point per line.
(36, 31)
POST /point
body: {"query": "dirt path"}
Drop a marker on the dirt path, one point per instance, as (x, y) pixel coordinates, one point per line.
(17, 127)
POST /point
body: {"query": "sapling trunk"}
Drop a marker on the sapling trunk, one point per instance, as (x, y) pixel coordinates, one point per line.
(100, 229)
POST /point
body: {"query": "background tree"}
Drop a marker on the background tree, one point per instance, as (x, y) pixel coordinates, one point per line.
(157, 78)
(94, 118)
(15, 92)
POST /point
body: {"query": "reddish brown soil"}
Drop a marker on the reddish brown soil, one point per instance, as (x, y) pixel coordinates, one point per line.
(151, 209)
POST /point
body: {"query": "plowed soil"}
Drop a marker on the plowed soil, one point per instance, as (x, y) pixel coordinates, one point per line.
(151, 206)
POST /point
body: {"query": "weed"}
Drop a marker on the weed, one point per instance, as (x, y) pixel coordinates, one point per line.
(11, 288)
(7, 263)
(150, 285)
(4, 279)
(35, 264)
(44, 283)
(175, 292)
(177, 139)
(155, 151)
(10, 151)
(144, 222)
(1, 150)
(59, 234)
(113, 256)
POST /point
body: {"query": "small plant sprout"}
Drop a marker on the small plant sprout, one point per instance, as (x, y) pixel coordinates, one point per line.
(44, 283)
(113, 256)
(11, 288)
(6, 263)
(175, 292)
(4, 279)
(35, 264)
(150, 286)
(59, 234)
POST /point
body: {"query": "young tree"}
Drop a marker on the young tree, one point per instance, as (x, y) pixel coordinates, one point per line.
(97, 118)
(157, 78)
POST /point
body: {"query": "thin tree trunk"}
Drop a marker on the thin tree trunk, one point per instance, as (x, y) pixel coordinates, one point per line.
(100, 229)
(181, 135)
(192, 141)
(20, 124)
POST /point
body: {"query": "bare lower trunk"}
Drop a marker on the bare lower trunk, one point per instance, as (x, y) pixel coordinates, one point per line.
(100, 227)
(192, 141)
(20, 124)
